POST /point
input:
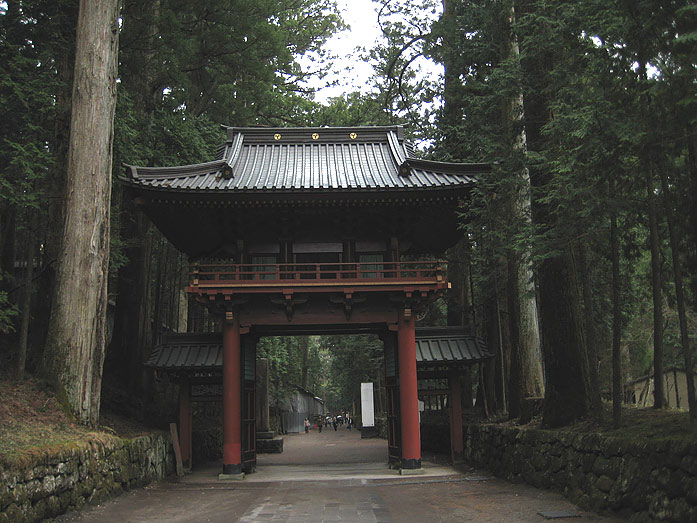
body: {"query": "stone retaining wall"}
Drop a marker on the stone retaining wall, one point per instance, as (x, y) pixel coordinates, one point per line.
(52, 482)
(649, 480)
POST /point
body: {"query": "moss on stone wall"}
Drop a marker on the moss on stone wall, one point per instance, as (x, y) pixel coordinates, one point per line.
(647, 480)
(52, 481)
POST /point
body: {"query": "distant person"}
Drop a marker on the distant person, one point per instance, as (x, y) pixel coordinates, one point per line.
(334, 423)
(349, 422)
(307, 425)
(319, 424)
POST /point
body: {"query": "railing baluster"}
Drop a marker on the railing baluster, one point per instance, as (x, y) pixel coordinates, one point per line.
(380, 273)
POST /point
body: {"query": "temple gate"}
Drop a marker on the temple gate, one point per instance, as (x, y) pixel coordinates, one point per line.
(311, 231)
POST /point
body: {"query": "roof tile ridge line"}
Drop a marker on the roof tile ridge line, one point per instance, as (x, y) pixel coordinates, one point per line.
(386, 180)
(281, 161)
(324, 154)
(240, 183)
(396, 149)
(346, 151)
(357, 166)
(336, 183)
(264, 170)
(253, 175)
(235, 149)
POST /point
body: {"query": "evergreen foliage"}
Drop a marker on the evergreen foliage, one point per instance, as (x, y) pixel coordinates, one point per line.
(607, 127)
(606, 103)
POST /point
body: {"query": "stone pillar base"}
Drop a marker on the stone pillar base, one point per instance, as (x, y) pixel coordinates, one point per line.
(411, 472)
(231, 477)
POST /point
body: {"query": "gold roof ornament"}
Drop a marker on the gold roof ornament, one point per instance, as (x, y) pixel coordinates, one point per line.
(353, 136)
(277, 136)
(315, 136)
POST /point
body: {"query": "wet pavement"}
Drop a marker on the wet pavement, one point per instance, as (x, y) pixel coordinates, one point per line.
(338, 477)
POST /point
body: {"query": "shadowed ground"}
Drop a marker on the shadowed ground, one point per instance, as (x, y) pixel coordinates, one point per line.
(334, 476)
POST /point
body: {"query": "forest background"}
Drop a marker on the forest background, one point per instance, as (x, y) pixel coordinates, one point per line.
(578, 258)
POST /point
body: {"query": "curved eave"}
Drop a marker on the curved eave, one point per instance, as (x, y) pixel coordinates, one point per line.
(160, 195)
(183, 185)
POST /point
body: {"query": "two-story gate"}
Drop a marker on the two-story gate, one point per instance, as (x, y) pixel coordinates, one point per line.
(324, 228)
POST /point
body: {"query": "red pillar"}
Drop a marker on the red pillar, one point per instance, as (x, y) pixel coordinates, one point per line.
(232, 398)
(408, 392)
(455, 400)
(185, 422)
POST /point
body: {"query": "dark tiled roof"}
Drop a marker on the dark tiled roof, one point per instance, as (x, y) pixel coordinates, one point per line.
(189, 352)
(449, 345)
(297, 159)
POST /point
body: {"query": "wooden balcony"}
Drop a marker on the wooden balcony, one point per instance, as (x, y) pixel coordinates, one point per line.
(224, 278)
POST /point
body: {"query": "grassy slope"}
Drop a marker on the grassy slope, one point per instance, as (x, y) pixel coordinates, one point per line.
(30, 418)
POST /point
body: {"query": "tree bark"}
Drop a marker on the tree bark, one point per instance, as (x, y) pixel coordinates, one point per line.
(568, 389)
(526, 359)
(492, 335)
(74, 353)
(590, 329)
(567, 385)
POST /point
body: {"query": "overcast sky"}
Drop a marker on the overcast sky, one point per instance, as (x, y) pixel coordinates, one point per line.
(352, 73)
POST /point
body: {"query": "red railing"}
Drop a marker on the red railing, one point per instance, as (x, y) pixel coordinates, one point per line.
(221, 275)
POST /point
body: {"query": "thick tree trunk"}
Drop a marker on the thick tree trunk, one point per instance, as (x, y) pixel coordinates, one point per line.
(590, 329)
(74, 352)
(567, 385)
(526, 359)
(568, 388)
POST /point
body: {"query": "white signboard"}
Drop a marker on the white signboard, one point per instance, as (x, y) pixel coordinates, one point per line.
(367, 410)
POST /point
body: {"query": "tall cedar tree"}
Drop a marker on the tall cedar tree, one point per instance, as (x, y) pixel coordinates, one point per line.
(568, 387)
(74, 353)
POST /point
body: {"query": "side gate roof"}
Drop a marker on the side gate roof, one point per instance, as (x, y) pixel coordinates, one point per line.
(436, 346)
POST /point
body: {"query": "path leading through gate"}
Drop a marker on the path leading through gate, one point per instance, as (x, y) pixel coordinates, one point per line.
(337, 477)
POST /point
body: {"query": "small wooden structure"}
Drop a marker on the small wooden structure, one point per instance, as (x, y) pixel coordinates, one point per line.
(297, 406)
(311, 231)
(640, 392)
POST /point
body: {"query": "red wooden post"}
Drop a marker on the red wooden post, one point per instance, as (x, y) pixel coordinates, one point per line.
(408, 392)
(456, 441)
(185, 425)
(232, 400)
